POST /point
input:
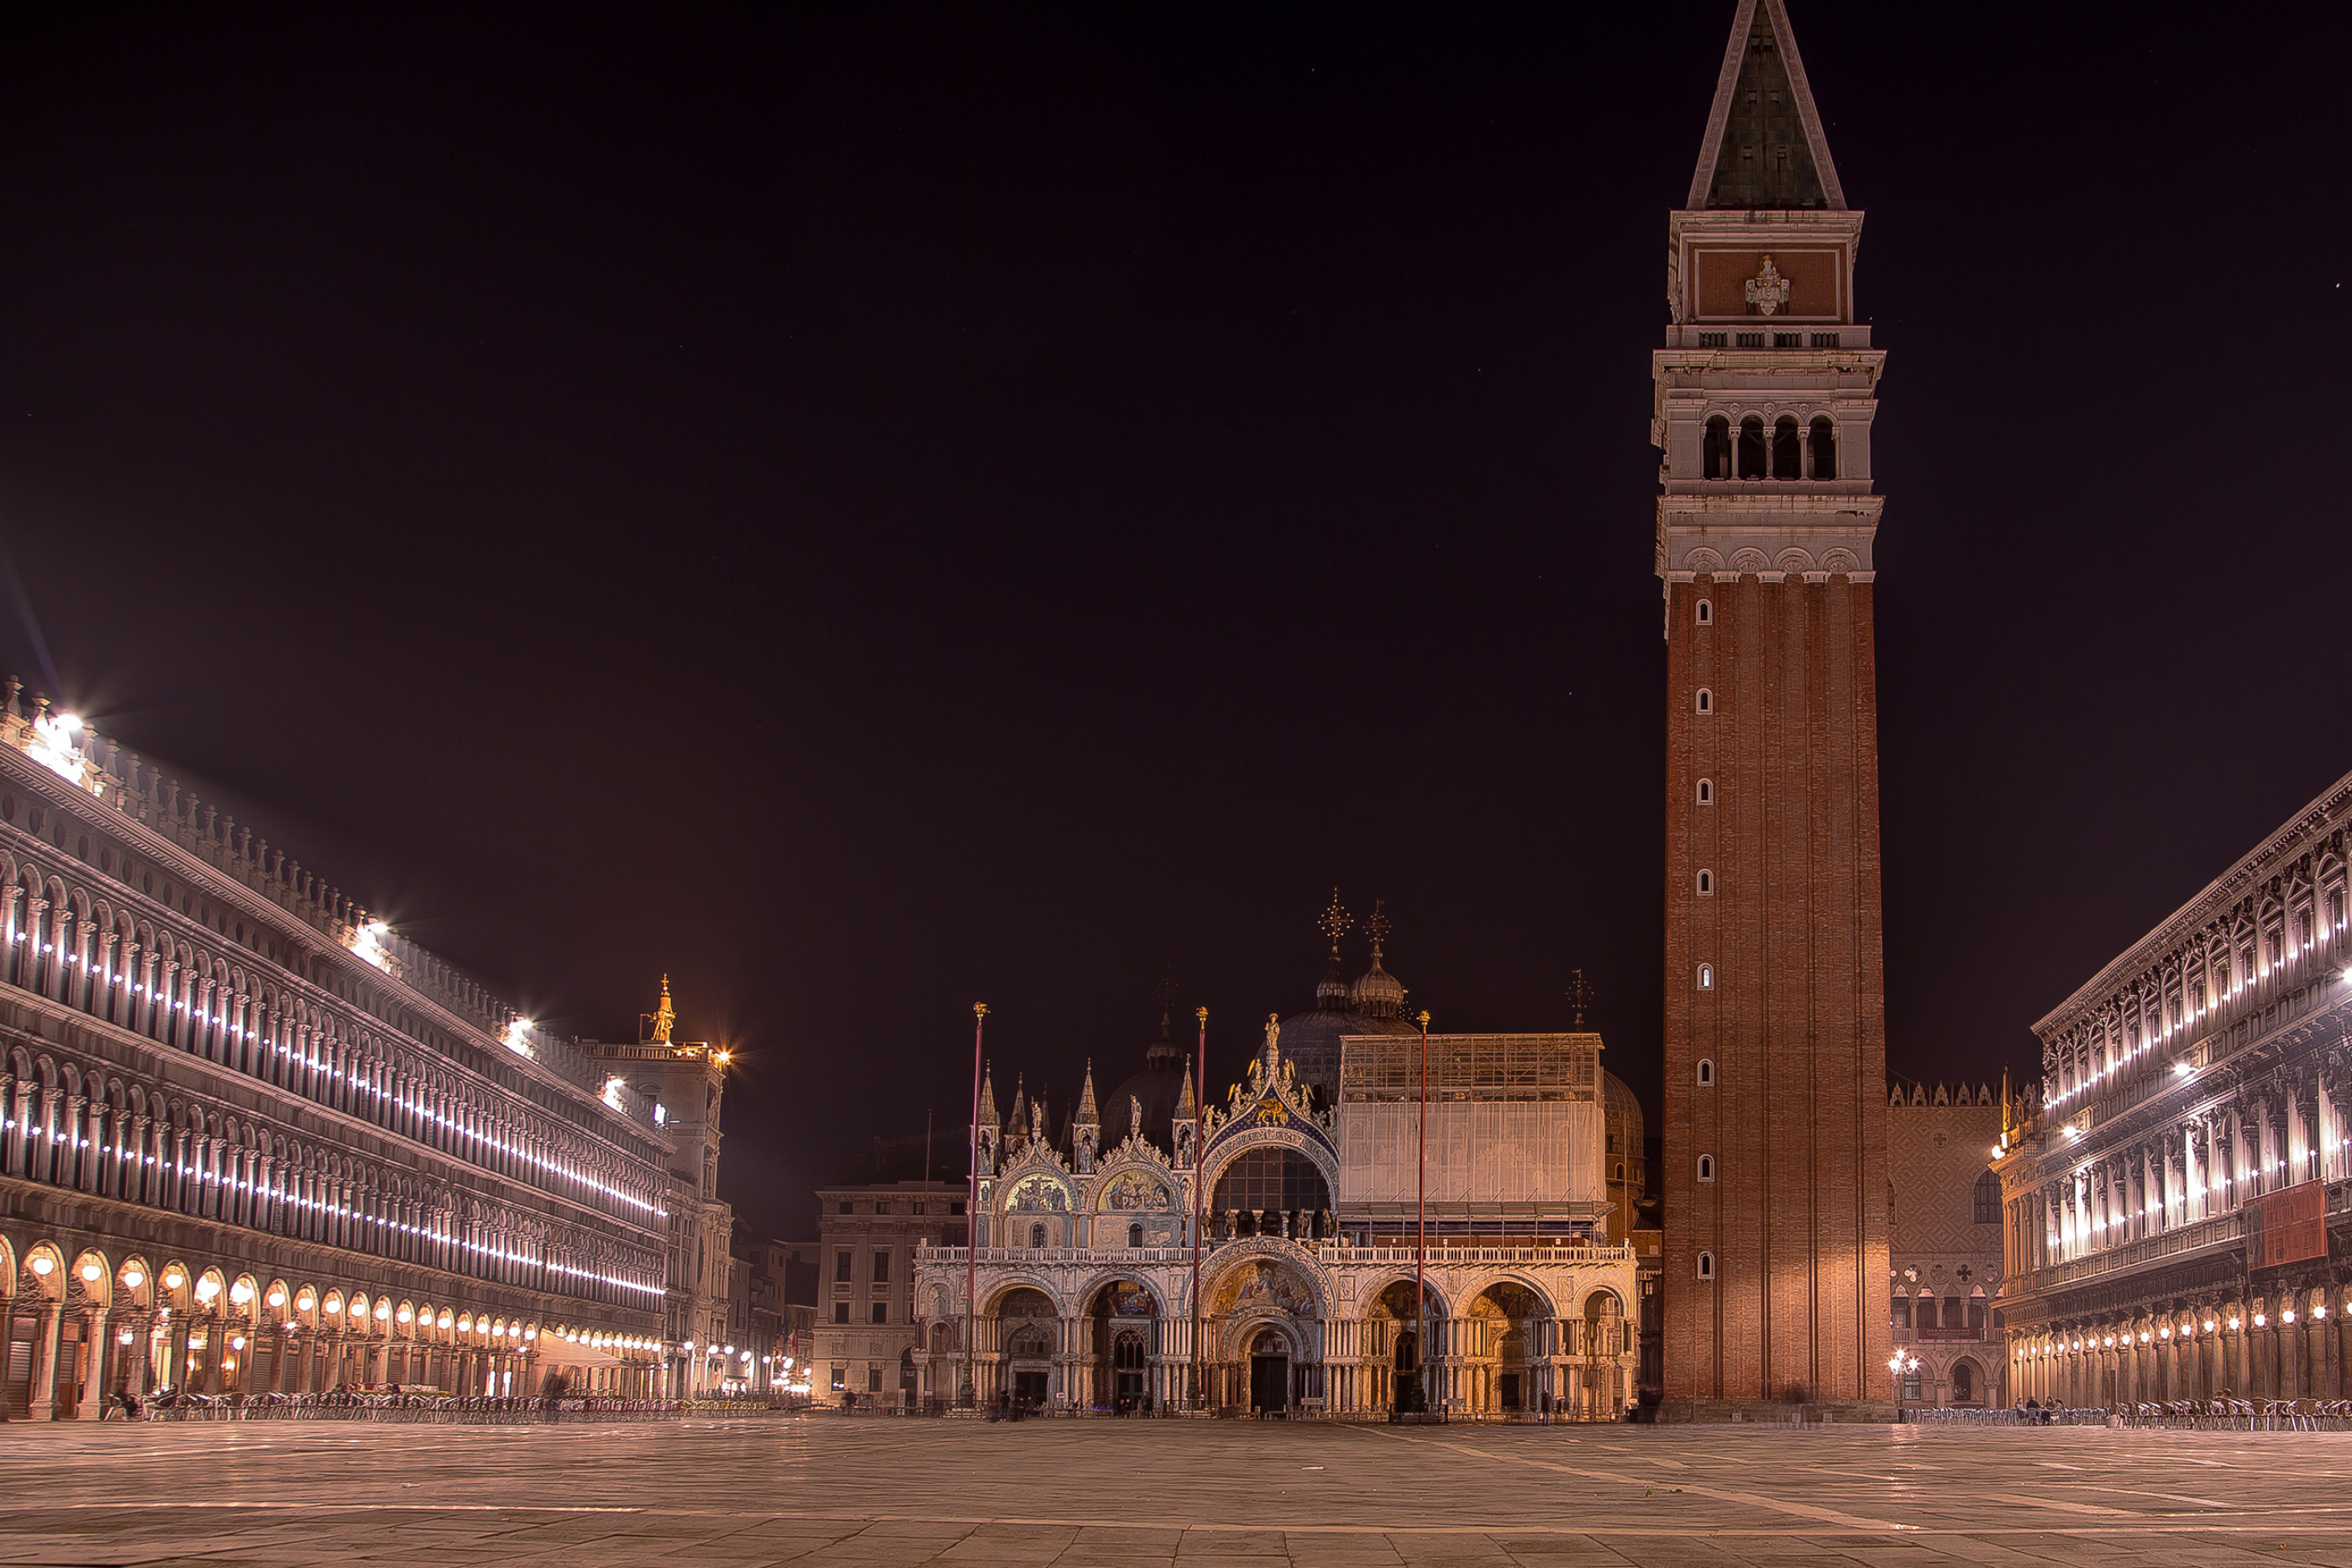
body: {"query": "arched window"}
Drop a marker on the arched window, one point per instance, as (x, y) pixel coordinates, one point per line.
(1824, 443)
(1988, 1199)
(1707, 884)
(1751, 447)
(1272, 1181)
(1707, 1072)
(1718, 448)
(1706, 700)
(1707, 1266)
(1706, 612)
(1788, 452)
(1706, 791)
(1707, 976)
(1135, 1235)
(1037, 1234)
(1706, 1167)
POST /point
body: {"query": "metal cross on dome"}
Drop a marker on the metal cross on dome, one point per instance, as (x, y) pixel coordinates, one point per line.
(1579, 995)
(1335, 923)
(1377, 928)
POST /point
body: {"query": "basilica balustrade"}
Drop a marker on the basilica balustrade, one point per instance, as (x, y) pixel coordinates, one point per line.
(1337, 1254)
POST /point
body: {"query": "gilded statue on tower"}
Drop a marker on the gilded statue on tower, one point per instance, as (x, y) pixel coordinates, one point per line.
(662, 1017)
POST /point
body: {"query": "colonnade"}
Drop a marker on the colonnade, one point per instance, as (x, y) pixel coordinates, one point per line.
(2288, 1344)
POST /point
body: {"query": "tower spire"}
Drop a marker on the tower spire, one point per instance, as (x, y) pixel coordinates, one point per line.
(1764, 147)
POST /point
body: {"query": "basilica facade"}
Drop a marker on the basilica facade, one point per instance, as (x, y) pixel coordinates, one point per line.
(1163, 1253)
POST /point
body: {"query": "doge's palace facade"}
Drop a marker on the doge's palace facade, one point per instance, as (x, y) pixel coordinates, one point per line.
(254, 1142)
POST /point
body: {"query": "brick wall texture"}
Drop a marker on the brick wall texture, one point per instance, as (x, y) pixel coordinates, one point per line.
(1795, 1120)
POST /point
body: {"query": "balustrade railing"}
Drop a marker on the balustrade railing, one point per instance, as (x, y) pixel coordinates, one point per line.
(1335, 1253)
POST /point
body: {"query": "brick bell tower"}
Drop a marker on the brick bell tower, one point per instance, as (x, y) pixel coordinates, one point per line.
(1775, 1136)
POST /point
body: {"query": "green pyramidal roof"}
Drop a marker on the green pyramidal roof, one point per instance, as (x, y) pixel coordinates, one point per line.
(1764, 147)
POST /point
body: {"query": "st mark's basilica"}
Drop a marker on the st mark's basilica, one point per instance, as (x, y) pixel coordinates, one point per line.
(1155, 1252)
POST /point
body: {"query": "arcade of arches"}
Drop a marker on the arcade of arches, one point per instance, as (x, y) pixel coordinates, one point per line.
(1269, 1345)
(80, 1327)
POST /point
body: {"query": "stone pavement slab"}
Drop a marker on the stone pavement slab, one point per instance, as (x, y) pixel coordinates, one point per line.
(821, 1490)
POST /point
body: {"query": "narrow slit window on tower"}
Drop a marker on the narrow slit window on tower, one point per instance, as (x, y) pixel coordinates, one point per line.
(1707, 1266)
(1716, 455)
(1706, 791)
(1823, 437)
(1707, 1072)
(1751, 430)
(1707, 884)
(1706, 612)
(1787, 462)
(1706, 1167)
(1706, 700)
(1707, 976)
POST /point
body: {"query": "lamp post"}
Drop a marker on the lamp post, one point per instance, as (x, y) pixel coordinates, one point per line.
(966, 1397)
(1902, 1364)
(1420, 1229)
(1199, 1173)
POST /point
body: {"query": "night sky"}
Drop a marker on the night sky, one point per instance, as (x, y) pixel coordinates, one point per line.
(872, 509)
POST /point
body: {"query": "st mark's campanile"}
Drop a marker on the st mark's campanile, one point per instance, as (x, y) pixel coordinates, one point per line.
(1774, 1136)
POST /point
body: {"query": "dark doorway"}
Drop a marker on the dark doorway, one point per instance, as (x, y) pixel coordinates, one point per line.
(1270, 1374)
(1408, 1370)
(1509, 1390)
(1127, 1357)
(1270, 1384)
(1029, 1387)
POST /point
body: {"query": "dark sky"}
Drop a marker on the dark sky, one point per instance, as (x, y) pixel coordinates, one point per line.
(875, 508)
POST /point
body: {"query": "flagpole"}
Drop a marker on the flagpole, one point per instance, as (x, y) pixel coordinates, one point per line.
(971, 1210)
(1421, 1226)
(1200, 1175)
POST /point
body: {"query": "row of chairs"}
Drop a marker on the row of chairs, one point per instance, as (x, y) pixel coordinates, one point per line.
(2233, 1414)
(2040, 1416)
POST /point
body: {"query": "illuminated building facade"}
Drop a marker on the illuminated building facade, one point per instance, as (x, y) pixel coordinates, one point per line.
(1945, 1247)
(254, 1141)
(864, 1333)
(2177, 1192)
(1774, 1131)
(1306, 1181)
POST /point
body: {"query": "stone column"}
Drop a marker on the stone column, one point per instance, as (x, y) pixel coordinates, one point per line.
(96, 1348)
(42, 1396)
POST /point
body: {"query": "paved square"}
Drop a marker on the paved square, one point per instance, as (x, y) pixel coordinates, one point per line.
(828, 1489)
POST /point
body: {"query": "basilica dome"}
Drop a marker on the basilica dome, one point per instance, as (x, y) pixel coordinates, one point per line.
(1157, 1087)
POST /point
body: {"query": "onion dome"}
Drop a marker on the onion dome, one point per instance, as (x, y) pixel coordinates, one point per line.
(1377, 993)
(1310, 1041)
